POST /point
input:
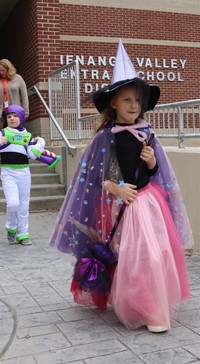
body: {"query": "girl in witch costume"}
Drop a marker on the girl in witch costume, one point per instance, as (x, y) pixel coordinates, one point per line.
(16, 147)
(125, 167)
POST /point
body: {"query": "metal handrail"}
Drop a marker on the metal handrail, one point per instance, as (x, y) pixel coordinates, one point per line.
(77, 79)
(180, 108)
(71, 148)
(178, 103)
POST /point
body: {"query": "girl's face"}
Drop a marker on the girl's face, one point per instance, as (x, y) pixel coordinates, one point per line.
(13, 120)
(3, 72)
(126, 103)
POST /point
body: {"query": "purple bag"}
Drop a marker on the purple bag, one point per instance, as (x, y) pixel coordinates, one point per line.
(93, 267)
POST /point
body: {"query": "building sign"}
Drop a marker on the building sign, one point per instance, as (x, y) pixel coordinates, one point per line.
(150, 69)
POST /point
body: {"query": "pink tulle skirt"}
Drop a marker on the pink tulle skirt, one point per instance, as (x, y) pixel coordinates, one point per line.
(150, 279)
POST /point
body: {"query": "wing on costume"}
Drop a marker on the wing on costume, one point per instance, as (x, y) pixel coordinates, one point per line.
(49, 158)
(34, 147)
(37, 152)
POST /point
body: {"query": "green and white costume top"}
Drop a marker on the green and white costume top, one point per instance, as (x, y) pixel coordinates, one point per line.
(21, 146)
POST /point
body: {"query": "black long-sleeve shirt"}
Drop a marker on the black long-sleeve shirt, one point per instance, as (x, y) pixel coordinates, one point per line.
(134, 170)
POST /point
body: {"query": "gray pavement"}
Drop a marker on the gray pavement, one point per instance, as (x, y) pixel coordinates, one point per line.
(39, 322)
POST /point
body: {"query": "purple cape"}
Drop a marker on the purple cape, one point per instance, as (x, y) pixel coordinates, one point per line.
(85, 217)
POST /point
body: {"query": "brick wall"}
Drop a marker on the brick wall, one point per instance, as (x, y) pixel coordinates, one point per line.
(138, 24)
(19, 39)
(30, 38)
(127, 23)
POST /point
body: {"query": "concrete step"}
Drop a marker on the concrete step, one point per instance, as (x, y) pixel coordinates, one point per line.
(48, 190)
(39, 168)
(43, 190)
(39, 203)
(46, 202)
(44, 178)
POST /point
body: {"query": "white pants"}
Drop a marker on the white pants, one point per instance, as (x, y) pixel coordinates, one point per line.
(16, 186)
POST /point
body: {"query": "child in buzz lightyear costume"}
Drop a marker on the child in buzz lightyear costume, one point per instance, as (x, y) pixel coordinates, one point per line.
(16, 147)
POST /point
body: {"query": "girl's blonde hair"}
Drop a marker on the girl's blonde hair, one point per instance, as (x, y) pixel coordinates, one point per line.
(11, 70)
(110, 114)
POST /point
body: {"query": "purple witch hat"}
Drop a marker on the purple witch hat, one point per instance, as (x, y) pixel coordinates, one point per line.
(124, 73)
(124, 68)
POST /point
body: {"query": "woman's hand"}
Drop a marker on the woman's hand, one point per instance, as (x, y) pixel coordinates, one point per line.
(147, 155)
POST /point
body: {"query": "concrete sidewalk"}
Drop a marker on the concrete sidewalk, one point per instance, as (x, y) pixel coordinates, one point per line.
(39, 323)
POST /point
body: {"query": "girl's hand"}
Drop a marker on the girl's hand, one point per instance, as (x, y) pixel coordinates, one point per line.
(147, 155)
(4, 140)
(127, 193)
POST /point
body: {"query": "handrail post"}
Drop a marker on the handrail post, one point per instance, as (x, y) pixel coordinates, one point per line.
(78, 103)
(180, 128)
(71, 148)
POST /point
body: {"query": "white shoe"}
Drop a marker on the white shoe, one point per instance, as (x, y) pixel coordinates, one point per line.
(25, 242)
(157, 329)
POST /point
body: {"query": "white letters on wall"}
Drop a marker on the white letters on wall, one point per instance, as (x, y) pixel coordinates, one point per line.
(94, 68)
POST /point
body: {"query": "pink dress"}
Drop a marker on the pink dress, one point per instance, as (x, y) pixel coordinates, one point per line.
(150, 279)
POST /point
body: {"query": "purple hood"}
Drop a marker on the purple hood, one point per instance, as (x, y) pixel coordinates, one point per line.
(20, 113)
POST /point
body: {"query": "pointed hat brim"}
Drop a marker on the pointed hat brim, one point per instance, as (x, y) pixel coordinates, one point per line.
(151, 93)
(124, 73)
